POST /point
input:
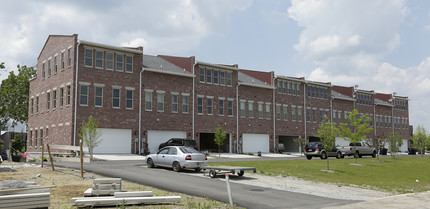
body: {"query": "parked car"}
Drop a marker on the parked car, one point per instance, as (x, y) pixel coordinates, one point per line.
(358, 149)
(3, 155)
(316, 149)
(179, 142)
(177, 158)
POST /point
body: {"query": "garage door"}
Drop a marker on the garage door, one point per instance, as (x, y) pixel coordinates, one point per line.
(114, 141)
(256, 143)
(404, 147)
(155, 138)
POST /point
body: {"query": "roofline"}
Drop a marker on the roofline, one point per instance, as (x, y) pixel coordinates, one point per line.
(342, 98)
(318, 83)
(291, 79)
(216, 65)
(110, 47)
(169, 73)
(255, 85)
(366, 92)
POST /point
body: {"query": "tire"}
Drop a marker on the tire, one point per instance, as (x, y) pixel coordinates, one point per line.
(241, 173)
(374, 154)
(323, 155)
(308, 157)
(197, 169)
(150, 163)
(176, 167)
(339, 155)
(212, 173)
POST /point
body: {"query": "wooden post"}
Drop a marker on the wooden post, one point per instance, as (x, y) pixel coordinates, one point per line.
(43, 150)
(50, 157)
(81, 153)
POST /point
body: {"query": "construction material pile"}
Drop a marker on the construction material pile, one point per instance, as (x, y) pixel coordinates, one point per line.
(23, 194)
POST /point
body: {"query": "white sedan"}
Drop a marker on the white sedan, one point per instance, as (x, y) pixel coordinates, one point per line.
(178, 158)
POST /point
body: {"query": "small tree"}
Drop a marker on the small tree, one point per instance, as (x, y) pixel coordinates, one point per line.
(90, 134)
(300, 142)
(219, 138)
(421, 139)
(356, 129)
(377, 141)
(327, 132)
(394, 143)
(17, 144)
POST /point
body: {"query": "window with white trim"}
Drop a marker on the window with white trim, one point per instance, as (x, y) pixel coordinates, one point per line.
(185, 101)
(99, 59)
(221, 106)
(202, 75)
(37, 105)
(43, 70)
(62, 60)
(229, 78)
(242, 109)
(49, 68)
(174, 103)
(210, 106)
(69, 58)
(109, 61)
(293, 113)
(41, 137)
(55, 65)
(250, 109)
(216, 73)
(128, 64)
(30, 139)
(200, 105)
(119, 62)
(54, 99)
(83, 95)
(222, 78)
(35, 138)
(61, 97)
(278, 111)
(260, 110)
(160, 102)
(129, 99)
(98, 96)
(31, 105)
(230, 107)
(285, 112)
(116, 97)
(267, 111)
(88, 58)
(208, 76)
(148, 101)
(68, 95)
(314, 115)
(299, 114)
(48, 100)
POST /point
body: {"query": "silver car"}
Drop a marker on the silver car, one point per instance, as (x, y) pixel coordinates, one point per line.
(178, 158)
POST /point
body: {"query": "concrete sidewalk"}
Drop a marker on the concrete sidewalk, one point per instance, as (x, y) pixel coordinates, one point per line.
(413, 200)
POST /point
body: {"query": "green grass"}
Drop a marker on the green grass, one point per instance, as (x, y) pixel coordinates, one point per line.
(395, 175)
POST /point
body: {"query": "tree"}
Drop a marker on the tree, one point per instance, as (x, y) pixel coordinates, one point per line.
(377, 141)
(300, 142)
(14, 92)
(394, 143)
(90, 134)
(327, 132)
(421, 139)
(219, 138)
(355, 129)
(17, 144)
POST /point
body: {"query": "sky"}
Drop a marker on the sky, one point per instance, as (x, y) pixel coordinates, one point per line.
(381, 45)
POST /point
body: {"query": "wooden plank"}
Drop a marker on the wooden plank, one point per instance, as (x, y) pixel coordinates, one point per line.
(107, 181)
(127, 201)
(68, 147)
(133, 194)
(25, 189)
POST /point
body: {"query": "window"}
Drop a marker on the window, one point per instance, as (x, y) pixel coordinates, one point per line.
(31, 105)
(83, 95)
(260, 110)
(41, 137)
(294, 88)
(230, 107)
(208, 76)
(116, 92)
(69, 58)
(339, 116)
(185, 99)
(308, 115)
(55, 65)
(88, 57)
(200, 105)
(68, 95)
(62, 60)
(37, 105)
(54, 97)
(174, 103)
(221, 106)
(242, 109)
(314, 115)
(267, 111)
(229, 77)
(202, 75)
(109, 61)
(298, 89)
(148, 101)
(317, 94)
(279, 86)
(61, 97)
(299, 114)
(129, 99)
(35, 138)
(222, 78)
(119, 62)
(250, 109)
(49, 68)
(43, 71)
(293, 113)
(128, 64)
(47, 133)
(285, 112)
(278, 111)
(216, 72)
(160, 102)
(284, 87)
(289, 88)
(99, 59)
(98, 96)
(377, 121)
(30, 139)
(309, 91)
(321, 116)
(210, 106)
(48, 100)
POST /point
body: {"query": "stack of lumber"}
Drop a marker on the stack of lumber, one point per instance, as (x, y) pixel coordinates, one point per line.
(21, 194)
(100, 186)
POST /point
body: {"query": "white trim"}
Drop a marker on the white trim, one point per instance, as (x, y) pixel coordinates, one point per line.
(160, 91)
(148, 90)
(84, 83)
(185, 94)
(129, 88)
(209, 97)
(134, 51)
(174, 93)
(116, 87)
(99, 85)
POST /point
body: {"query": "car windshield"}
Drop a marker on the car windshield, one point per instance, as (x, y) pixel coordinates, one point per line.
(188, 150)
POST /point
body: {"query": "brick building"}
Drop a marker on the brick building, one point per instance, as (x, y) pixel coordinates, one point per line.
(143, 100)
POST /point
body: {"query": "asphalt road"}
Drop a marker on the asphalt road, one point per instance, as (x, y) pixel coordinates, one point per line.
(243, 195)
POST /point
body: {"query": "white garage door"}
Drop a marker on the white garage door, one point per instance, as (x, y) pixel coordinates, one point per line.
(114, 141)
(155, 138)
(404, 147)
(256, 143)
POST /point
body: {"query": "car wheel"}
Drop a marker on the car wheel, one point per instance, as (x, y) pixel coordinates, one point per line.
(150, 163)
(339, 155)
(374, 154)
(323, 155)
(241, 173)
(198, 169)
(212, 173)
(308, 157)
(176, 166)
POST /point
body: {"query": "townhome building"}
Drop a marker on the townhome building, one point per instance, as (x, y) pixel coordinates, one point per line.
(142, 100)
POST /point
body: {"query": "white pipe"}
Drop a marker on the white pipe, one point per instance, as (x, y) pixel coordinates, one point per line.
(76, 93)
(140, 110)
(304, 107)
(230, 198)
(193, 114)
(237, 117)
(274, 115)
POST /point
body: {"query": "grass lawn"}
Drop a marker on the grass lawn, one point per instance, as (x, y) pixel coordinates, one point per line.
(396, 175)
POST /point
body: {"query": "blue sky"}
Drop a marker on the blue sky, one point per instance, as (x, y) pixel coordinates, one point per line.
(379, 45)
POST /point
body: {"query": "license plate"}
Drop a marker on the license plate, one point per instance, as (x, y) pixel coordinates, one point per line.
(309, 150)
(199, 164)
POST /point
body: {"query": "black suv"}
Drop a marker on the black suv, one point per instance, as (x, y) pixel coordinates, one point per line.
(179, 142)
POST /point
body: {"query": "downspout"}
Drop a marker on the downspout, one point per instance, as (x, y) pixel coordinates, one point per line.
(76, 93)
(374, 119)
(194, 84)
(274, 116)
(304, 107)
(331, 109)
(237, 117)
(140, 110)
